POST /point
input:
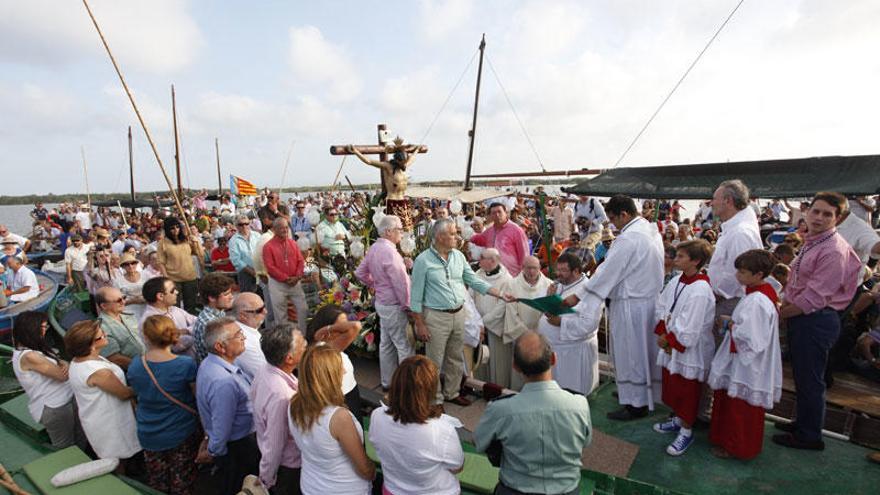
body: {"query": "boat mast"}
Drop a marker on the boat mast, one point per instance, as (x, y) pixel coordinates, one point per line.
(219, 177)
(131, 170)
(473, 131)
(82, 150)
(176, 144)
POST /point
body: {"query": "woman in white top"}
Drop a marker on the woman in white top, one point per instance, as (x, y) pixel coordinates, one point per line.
(329, 438)
(101, 393)
(131, 284)
(43, 375)
(330, 325)
(416, 443)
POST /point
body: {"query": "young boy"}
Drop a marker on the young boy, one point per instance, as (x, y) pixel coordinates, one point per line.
(686, 315)
(747, 369)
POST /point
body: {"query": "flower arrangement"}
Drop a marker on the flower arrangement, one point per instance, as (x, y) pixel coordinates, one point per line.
(358, 306)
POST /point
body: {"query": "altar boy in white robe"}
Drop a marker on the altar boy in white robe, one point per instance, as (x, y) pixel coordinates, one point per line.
(492, 310)
(518, 317)
(685, 316)
(573, 336)
(631, 277)
(747, 369)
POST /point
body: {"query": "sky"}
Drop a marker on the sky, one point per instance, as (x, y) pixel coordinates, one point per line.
(785, 79)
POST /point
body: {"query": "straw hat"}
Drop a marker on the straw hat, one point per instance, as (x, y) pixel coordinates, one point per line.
(8, 240)
(127, 258)
(607, 235)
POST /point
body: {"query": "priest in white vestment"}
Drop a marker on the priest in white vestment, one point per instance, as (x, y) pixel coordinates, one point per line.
(529, 284)
(631, 277)
(573, 336)
(492, 311)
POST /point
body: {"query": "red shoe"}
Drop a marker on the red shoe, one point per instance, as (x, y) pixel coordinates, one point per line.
(459, 401)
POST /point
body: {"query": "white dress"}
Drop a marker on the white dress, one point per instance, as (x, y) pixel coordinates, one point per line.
(41, 390)
(691, 322)
(631, 277)
(108, 422)
(326, 469)
(575, 343)
(417, 458)
(130, 290)
(754, 372)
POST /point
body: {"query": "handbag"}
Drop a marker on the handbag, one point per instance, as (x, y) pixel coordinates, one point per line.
(203, 446)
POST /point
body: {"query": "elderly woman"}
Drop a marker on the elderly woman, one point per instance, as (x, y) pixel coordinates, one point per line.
(176, 260)
(416, 443)
(102, 395)
(330, 439)
(131, 284)
(331, 326)
(43, 375)
(153, 268)
(167, 420)
(492, 310)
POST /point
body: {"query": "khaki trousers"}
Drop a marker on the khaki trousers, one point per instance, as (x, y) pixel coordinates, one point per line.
(280, 293)
(446, 349)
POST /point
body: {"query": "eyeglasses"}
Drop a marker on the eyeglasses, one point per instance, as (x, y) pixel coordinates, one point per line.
(101, 336)
(121, 300)
(239, 335)
(255, 311)
(172, 291)
(331, 214)
(300, 207)
(243, 224)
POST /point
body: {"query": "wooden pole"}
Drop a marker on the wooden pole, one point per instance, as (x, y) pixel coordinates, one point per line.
(82, 150)
(219, 177)
(131, 170)
(137, 112)
(473, 131)
(176, 143)
(383, 157)
(339, 171)
(286, 163)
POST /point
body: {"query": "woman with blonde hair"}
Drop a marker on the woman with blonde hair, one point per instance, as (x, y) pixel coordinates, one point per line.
(101, 392)
(331, 441)
(167, 420)
(416, 442)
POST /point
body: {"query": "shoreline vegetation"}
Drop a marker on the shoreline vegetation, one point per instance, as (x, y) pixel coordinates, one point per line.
(29, 199)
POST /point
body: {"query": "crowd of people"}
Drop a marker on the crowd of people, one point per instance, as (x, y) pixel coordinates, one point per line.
(206, 324)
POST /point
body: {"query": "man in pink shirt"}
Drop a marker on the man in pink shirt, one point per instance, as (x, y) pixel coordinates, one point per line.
(285, 265)
(505, 236)
(271, 390)
(820, 286)
(383, 271)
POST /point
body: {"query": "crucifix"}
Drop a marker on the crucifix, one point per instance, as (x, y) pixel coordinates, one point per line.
(394, 179)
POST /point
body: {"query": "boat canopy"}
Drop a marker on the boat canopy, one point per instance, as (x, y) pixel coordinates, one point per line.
(452, 192)
(789, 178)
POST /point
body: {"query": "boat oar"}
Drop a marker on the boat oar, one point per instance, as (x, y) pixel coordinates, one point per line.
(7, 482)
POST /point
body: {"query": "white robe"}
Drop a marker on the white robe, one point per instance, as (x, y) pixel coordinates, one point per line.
(691, 321)
(631, 277)
(25, 277)
(754, 372)
(575, 343)
(518, 317)
(491, 308)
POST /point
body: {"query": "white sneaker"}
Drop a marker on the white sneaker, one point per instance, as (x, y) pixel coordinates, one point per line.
(668, 426)
(680, 445)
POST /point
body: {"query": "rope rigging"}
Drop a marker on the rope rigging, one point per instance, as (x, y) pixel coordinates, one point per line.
(448, 97)
(681, 80)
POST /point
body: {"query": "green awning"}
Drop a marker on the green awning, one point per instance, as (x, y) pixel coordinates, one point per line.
(798, 177)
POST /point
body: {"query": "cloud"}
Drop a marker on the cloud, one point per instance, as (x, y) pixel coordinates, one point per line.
(441, 18)
(321, 64)
(156, 36)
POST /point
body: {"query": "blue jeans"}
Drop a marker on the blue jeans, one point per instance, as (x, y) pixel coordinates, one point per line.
(810, 337)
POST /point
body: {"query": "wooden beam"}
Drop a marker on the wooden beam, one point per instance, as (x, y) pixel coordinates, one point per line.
(559, 173)
(341, 149)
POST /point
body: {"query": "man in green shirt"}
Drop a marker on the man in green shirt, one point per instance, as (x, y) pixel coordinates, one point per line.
(541, 431)
(439, 276)
(331, 233)
(123, 339)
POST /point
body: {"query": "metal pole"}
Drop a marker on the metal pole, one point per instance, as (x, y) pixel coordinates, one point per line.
(473, 131)
(176, 143)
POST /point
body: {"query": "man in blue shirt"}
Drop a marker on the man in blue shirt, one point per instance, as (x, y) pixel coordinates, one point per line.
(222, 395)
(439, 277)
(299, 222)
(242, 246)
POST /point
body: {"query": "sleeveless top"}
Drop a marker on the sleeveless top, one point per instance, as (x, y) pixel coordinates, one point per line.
(41, 390)
(326, 469)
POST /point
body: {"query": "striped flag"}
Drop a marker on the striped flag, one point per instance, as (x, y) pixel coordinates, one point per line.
(241, 187)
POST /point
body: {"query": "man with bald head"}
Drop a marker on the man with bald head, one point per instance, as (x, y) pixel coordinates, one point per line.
(250, 312)
(123, 339)
(518, 318)
(536, 460)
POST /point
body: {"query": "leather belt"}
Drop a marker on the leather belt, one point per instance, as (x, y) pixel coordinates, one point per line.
(450, 311)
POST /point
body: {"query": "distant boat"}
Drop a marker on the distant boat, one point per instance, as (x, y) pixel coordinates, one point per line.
(48, 289)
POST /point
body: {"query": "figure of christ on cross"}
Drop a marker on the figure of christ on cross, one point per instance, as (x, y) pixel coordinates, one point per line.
(394, 178)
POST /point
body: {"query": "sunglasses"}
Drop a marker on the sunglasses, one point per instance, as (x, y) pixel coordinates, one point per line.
(255, 311)
(117, 301)
(243, 224)
(331, 214)
(173, 291)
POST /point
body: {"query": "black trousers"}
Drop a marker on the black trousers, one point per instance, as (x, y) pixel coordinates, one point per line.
(242, 458)
(286, 481)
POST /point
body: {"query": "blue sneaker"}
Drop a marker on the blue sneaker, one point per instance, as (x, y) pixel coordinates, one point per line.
(669, 426)
(680, 445)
